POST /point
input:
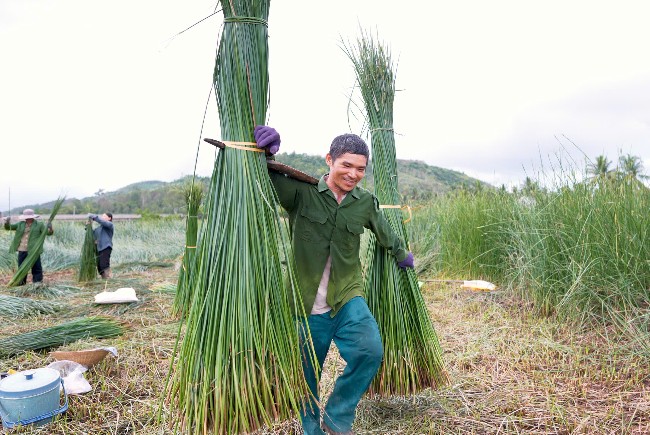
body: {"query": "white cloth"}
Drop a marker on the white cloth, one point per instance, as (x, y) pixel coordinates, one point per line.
(72, 374)
(121, 295)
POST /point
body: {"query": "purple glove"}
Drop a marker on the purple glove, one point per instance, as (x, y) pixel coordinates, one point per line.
(267, 137)
(407, 262)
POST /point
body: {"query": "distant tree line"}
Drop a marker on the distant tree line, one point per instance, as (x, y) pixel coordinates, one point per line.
(417, 181)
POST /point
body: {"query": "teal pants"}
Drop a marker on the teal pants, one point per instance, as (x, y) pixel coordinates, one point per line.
(355, 332)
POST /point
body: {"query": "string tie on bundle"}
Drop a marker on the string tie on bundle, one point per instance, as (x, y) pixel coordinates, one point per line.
(402, 207)
(247, 146)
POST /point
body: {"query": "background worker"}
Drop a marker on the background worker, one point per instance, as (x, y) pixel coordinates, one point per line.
(103, 235)
(326, 222)
(28, 231)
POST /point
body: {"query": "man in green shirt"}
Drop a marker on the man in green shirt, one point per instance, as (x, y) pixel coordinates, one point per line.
(28, 232)
(326, 223)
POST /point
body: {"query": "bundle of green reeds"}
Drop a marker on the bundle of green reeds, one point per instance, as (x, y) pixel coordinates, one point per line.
(33, 254)
(240, 360)
(14, 307)
(85, 327)
(412, 354)
(88, 263)
(193, 196)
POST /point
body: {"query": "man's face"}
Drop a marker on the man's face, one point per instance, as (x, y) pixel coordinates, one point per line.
(106, 218)
(29, 221)
(345, 172)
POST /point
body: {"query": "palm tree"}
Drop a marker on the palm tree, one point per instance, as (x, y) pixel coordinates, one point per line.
(530, 186)
(631, 167)
(600, 170)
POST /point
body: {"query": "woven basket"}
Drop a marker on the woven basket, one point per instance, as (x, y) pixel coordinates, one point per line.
(86, 358)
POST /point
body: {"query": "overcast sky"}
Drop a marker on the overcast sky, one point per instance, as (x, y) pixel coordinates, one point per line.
(98, 95)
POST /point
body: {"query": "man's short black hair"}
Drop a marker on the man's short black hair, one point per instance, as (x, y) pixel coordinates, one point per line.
(110, 215)
(348, 143)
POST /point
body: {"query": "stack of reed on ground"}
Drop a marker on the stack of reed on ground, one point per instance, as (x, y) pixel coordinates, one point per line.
(193, 197)
(78, 329)
(240, 360)
(412, 355)
(44, 290)
(16, 307)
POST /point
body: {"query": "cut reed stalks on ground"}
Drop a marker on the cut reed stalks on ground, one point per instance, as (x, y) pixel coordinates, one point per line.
(412, 354)
(193, 197)
(42, 290)
(85, 327)
(33, 254)
(240, 361)
(88, 261)
(15, 307)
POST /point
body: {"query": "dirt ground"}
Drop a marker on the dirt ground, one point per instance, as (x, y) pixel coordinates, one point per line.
(510, 371)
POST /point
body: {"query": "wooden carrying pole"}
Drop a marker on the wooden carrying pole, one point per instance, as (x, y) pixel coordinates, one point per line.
(275, 166)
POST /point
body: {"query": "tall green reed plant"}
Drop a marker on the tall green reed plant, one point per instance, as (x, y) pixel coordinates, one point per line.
(583, 250)
(412, 355)
(468, 233)
(193, 197)
(88, 256)
(578, 248)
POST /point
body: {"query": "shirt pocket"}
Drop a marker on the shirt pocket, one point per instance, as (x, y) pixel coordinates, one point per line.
(311, 225)
(352, 237)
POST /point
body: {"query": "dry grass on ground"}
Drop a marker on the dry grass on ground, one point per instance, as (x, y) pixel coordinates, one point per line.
(511, 372)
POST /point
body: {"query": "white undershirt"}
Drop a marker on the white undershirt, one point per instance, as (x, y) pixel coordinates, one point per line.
(320, 304)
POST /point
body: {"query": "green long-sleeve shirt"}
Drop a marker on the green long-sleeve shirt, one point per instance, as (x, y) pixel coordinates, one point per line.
(321, 227)
(35, 231)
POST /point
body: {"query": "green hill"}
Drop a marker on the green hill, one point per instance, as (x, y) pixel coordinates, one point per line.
(417, 181)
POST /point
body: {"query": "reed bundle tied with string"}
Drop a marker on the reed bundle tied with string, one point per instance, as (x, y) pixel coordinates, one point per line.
(64, 333)
(412, 354)
(33, 254)
(240, 361)
(193, 197)
(88, 260)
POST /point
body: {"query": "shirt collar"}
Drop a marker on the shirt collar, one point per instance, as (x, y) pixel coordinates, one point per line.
(322, 187)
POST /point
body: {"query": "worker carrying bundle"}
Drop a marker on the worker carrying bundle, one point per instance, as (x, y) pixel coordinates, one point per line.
(28, 241)
(103, 235)
(326, 222)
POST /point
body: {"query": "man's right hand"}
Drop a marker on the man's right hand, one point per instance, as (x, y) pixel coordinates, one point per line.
(268, 138)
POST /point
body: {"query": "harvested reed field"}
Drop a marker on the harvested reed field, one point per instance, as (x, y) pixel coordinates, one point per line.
(511, 371)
